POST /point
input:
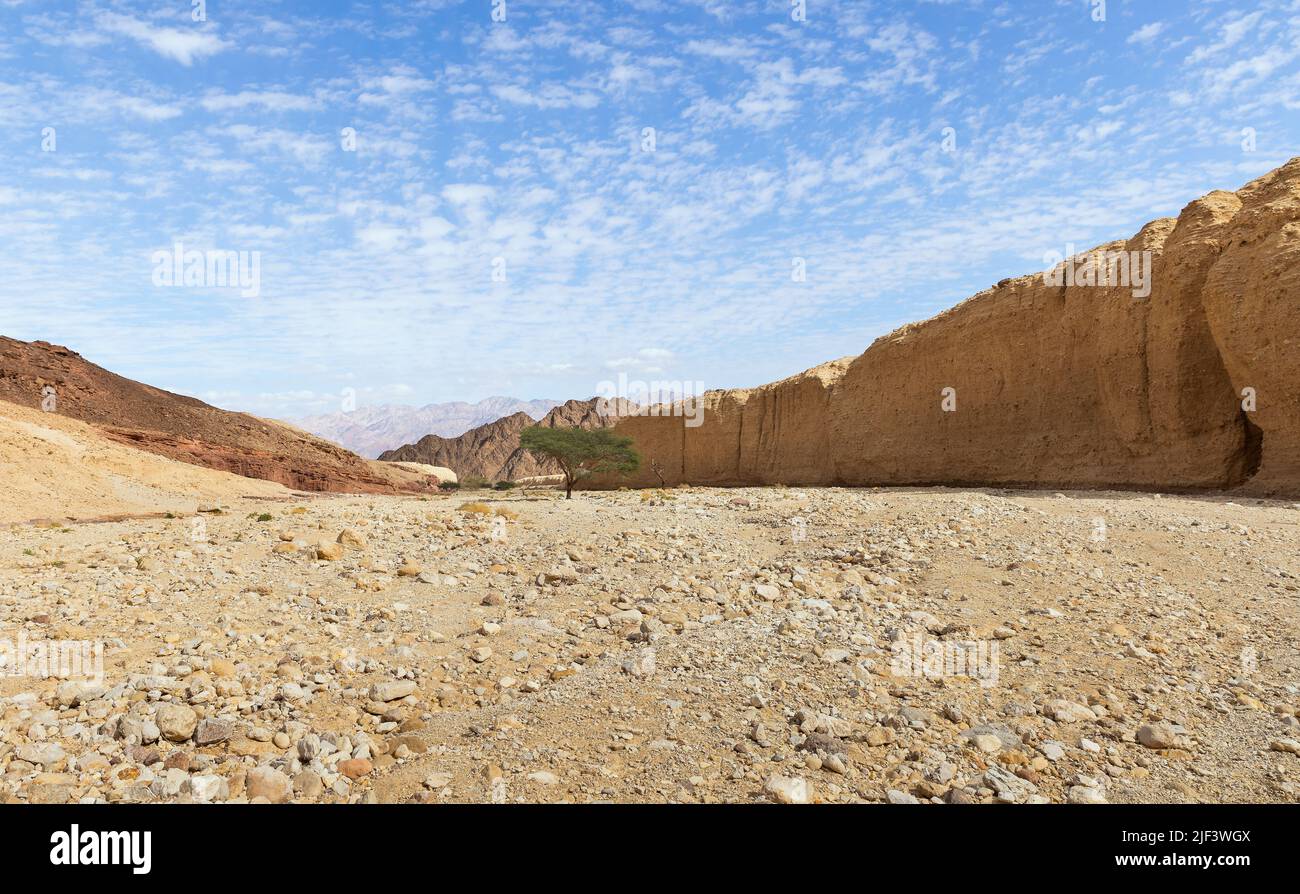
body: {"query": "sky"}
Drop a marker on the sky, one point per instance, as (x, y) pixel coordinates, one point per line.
(451, 199)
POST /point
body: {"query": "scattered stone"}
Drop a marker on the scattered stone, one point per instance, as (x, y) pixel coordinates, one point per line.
(308, 785)
(212, 730)
(265, 782)
(1085, 794)
(1158, 736)
(350, 538)
(1069, 712)
(642, 665)
(208, 788)
(1009, 786)
(392, 690)
(355, 768)
(436, 781)
(788, 790)
(176, 722)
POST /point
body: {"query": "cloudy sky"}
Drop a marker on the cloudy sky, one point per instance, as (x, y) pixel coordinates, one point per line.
(448, 205)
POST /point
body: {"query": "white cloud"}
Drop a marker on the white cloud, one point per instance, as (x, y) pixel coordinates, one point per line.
(733, 50)
(1147, 33)
(548, 96)
(1229, 36)
(271, 100)
(149, 111)
(183, 46)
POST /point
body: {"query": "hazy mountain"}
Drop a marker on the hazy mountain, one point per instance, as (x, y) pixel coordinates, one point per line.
(371, 430)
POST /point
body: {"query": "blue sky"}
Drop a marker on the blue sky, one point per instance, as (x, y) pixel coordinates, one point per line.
(520, 146)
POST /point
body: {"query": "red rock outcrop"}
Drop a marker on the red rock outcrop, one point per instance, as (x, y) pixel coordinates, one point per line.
(184, 428)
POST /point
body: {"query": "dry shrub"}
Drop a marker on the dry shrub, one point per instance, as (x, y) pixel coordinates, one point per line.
(657, 494)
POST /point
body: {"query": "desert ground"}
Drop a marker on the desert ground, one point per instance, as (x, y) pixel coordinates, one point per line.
(683, 645)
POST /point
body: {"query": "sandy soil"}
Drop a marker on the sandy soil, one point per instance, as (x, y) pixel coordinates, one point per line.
(53, 467)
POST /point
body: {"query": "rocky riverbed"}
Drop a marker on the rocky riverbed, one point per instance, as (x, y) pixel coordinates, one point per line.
(687, 645)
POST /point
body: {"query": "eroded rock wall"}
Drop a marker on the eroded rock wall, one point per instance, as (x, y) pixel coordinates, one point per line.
(1054, 385)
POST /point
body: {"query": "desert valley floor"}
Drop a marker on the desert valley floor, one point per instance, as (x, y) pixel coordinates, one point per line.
(690, 645)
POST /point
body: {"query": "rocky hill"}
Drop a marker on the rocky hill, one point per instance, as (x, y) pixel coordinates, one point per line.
(184, 428)
(369, 431)
(481, 451)
(1193, 386)
(492, 451)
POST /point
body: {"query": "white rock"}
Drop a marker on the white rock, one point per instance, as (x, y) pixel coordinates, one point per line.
(1084, 794)
(1158, 735)
(391, 690)
(788, 790)
(642, 665)
(437, 780)
(1063, 711)
(209, 787)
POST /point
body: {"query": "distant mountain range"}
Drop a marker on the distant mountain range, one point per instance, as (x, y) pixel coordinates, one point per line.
(370, 431)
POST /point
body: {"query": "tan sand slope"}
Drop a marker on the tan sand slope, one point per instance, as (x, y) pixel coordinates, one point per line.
(441, 473)
(57, 468)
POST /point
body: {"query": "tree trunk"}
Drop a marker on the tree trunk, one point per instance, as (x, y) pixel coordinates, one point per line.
(568, 490)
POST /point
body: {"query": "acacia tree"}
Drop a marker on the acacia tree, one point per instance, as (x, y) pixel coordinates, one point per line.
(581, 452)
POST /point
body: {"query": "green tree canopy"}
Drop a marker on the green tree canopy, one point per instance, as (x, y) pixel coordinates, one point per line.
(581, 452)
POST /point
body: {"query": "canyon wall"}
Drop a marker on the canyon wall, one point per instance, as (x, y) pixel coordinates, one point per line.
(1052, 385)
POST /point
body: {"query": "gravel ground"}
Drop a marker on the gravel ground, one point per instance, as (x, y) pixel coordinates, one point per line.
(692, 645)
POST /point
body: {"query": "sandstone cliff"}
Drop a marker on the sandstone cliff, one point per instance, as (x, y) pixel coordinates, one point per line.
(1054, 385)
